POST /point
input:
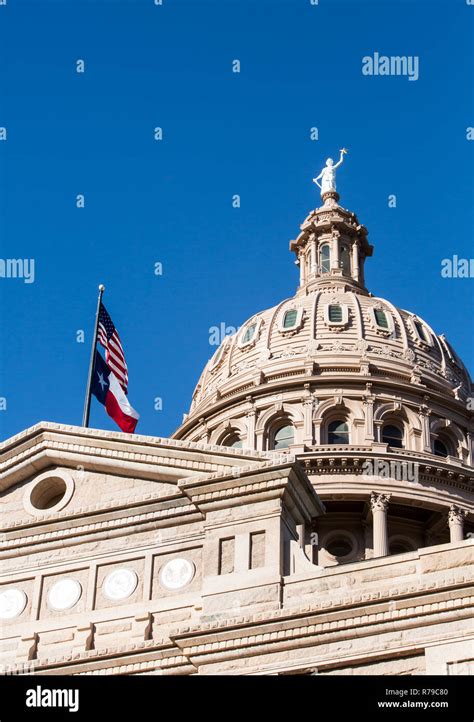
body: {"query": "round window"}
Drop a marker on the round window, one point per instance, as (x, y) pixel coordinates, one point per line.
(339, 547)
(48, 493)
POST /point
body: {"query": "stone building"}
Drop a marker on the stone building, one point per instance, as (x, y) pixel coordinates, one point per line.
(312, 514)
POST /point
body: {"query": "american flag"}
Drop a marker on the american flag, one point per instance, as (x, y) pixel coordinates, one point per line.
(110, 340)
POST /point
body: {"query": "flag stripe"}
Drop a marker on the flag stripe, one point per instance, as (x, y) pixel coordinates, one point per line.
(117, 366)
(114, 353)
(122, 378)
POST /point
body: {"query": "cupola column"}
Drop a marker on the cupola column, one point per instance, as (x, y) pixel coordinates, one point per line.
(335, 249)
(314, 261)
(379, 506)
(302, 260)
(456, 518)
(355, 261)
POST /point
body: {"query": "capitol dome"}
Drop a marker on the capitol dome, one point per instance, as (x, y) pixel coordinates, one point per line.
(338, 378)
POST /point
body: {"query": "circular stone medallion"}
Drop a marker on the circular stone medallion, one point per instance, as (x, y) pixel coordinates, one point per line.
(64, 594)
(176, 573)
(12, 603)
(120, 584)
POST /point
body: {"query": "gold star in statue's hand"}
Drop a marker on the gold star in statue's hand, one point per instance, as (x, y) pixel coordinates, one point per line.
(343, 150)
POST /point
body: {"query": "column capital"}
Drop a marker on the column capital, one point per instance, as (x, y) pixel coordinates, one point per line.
(456, 515)
(379, 502)
(424, 410)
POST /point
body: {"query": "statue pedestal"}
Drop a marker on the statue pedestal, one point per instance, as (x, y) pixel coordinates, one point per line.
(330, 198)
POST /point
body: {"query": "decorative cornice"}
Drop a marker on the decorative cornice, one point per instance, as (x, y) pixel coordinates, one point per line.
(46, 445)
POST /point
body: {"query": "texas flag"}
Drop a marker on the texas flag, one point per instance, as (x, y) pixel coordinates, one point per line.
(107, 389)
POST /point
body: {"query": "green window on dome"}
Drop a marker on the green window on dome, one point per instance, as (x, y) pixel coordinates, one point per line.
(420, 329)
(335, 313)
(289, 319)
(381, 318)
(249, 333)
(218, 355)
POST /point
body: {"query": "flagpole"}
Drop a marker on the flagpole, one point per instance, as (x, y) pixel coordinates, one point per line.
(87, 403)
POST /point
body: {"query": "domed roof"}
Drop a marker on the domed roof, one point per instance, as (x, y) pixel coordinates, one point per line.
(333, 328)
(369, 335)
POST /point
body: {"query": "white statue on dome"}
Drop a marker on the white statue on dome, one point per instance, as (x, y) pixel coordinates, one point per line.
(328, 174)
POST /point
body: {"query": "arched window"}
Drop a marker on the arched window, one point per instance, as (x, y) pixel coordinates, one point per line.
(393, 436)
(440, 448)
(338, 432)
(217, 358)
(249, 333)
(289, 319)
(421, 331)
(283, 437)
(233, 440)
(380, 318)
(325, 258)
(345, 260)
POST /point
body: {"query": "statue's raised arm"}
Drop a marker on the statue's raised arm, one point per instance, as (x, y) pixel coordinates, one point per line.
(343, 151)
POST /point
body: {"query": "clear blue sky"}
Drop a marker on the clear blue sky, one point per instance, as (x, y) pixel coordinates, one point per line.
(224, 134)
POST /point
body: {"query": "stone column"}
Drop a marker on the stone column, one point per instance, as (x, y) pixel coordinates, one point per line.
(378, 431)
(314, 256)
(335, 249)
(456, 518)
(302, 259)
(369, 418)
(308, 420)
(251, 416)
(379, 506)
(355, 260)
(424, 413)
(317, 431)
